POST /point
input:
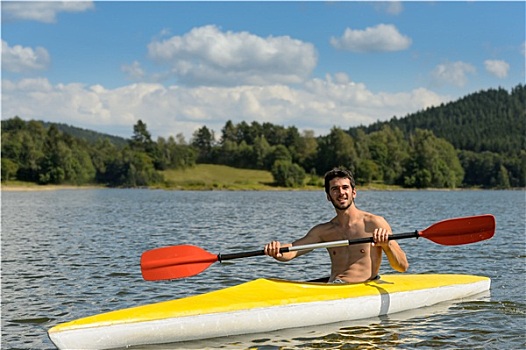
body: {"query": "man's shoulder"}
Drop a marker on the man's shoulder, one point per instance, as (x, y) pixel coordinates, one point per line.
(324, 227)
(370, 218)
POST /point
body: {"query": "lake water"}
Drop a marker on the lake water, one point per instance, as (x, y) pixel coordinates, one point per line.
(73, 253)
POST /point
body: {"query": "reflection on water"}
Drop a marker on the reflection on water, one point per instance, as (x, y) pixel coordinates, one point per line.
(71, 254)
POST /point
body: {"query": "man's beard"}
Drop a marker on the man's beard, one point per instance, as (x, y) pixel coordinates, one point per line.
(342, 207)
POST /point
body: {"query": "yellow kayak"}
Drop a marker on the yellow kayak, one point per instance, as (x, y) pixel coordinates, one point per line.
(262, 305)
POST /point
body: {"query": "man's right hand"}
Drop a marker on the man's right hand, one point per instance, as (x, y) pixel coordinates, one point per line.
(272, 249)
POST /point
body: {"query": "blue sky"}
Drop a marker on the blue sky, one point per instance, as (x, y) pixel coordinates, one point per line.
(314, 65)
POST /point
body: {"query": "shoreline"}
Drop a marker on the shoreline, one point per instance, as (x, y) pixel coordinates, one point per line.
(36, 188)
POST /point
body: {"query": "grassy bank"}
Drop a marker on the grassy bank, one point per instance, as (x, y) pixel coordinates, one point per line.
(201, 177)
(31, 186)
(218, 177)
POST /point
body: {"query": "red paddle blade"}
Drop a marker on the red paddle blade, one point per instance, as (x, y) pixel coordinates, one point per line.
(459, 231)
(175, 262)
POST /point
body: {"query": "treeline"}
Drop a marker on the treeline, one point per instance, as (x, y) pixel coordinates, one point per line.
(487, 128)
(31, 152)
(492, 120)
(477, 141)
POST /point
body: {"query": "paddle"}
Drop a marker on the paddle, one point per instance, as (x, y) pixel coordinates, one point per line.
(188, 260)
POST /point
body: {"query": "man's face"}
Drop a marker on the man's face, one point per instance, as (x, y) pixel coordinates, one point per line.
(341, 194)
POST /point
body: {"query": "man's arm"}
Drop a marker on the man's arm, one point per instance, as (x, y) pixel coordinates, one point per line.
(395, 254)
(272, 248)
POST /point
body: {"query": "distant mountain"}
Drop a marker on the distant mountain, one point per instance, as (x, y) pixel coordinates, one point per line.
(492, 120)
(88, 135)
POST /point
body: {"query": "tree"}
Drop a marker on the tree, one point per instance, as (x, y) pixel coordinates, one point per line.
(141, 171)
(503, 179)
(433, 162)
(292, 142)
(203, 140)
(389, 151)
(336, 149)
(279, 153)
(261, 151)
(243, 133)
(133, 169)
(56, 157)
(228, 133)
(485, 169)
(367, 171)
(9, 169)
(287, 174)
(141, 138)
(66, 160)
(141, 141)
(245, 157)
(307, 150)
(81, 170)
(104, 156)
(23, 144)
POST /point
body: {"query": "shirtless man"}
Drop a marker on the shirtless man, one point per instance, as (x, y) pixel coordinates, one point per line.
(353, 263)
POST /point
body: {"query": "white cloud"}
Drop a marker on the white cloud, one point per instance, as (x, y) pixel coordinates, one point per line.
(340, 77)
(383, 37)
(134, 71)
(317, 105)
(208, 56)
(19, 59)
(452, 73)
(41, 11)
(389, 7)
(498, 68)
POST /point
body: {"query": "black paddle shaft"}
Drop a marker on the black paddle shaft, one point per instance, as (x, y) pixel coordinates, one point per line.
(223, 257)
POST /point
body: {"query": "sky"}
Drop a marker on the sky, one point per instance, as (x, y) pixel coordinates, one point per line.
(314, 65)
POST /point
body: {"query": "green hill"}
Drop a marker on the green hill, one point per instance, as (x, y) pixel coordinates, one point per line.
(491, 120)
(88, 135)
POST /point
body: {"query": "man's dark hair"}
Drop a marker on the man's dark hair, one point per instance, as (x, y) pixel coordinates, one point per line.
(338, 172)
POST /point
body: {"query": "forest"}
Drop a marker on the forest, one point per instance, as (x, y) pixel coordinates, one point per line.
(478, 141)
